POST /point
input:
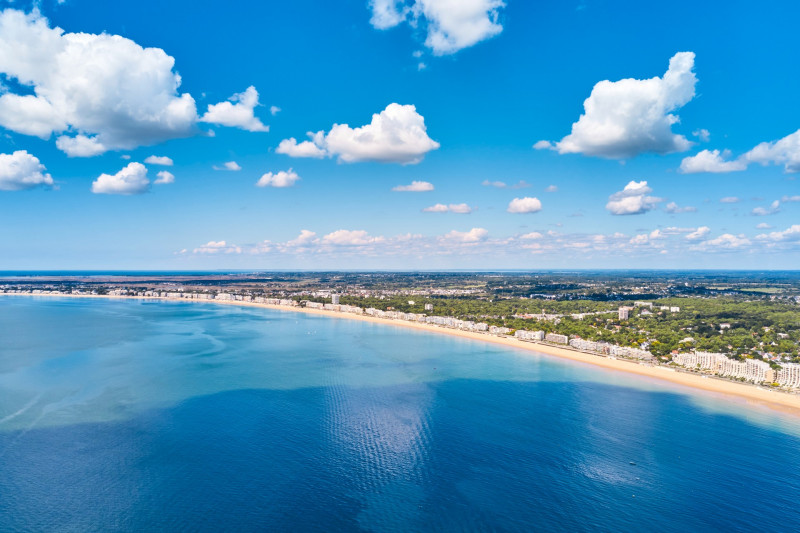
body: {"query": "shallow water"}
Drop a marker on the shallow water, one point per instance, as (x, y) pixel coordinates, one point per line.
(143, 415)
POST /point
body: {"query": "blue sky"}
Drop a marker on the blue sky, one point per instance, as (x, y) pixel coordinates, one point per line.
(678, 95)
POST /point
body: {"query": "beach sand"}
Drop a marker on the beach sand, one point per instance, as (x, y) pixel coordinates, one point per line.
(739, 392)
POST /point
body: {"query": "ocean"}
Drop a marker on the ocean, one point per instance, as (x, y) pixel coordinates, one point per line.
(123, 415)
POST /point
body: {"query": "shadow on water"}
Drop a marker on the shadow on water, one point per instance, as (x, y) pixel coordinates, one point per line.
(459, 454)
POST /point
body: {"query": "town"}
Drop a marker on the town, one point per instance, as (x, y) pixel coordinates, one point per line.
(742, 329)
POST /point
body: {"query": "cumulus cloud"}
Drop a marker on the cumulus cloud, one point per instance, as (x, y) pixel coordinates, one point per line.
(132, 179)
(524, 205)
(387, 13)
(785, 151)
(462, 209)
(396, 135)
(787, 199)
(415, 186)
(711, 161)
(436, 208)
(230, 165)
(344, 237)
(531, 236)
(634, 199)
(284, 178)
(274, 110)
(551, 188)
(791, 233)
(675, 209)
(237, 112)
(21, 170)
(218, 247)
(80, 146)
(450, 25)
(164, 178)
(159, 160)
(647, 238)
(702, 134)
(629, 117)
(727, 241)
(730, 200)
(472, 236)
(306, 237)
(292, 148)
(763, 225)
(772, 209)
(698, 234)
(101, 92)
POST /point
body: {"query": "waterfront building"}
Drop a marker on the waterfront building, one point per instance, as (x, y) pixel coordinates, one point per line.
(556, 338)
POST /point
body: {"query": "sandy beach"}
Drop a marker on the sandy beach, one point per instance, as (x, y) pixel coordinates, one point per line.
(739, 392)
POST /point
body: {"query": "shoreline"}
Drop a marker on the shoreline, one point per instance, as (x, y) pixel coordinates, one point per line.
(751, 395)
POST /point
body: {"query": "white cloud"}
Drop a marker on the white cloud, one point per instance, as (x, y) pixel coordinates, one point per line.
(21, 170)
(104, 92)
(702, 134)
(415, 186)
(698, 234)
(164, 178)
(791, 233)
(763, 225)
(521, 184)
(711, 161)
(387, 13)
(551, 188)
(462, 209)
(274, 110)
(773, 208)
(534, 235)
(230, 165)
(306, 237)
(647, 238)
(787, 199)
(80, 146)
(728, 241)
(472, 236)
(159, 160)
(674, 208)
(396, 135)
(785, 151)
(730, 200)
(132, 179)
(284, 178)
(544, 145)
(632, 200)
(436, 208)
(451, 25)
(524, 205)
(292, 148)
(236, 113)
(217, 247)
(629, 117)
(345, 237)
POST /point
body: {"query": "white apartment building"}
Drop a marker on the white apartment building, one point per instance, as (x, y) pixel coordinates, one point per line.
(789, 375)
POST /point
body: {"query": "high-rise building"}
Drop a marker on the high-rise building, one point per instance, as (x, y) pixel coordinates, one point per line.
(624, 313)
(335, 299)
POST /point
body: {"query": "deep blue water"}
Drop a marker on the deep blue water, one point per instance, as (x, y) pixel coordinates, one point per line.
(153, 416)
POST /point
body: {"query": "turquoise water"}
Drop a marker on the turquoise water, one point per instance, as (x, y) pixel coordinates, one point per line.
(140, 416)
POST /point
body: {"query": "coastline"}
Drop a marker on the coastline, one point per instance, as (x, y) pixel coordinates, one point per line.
(749, 394)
